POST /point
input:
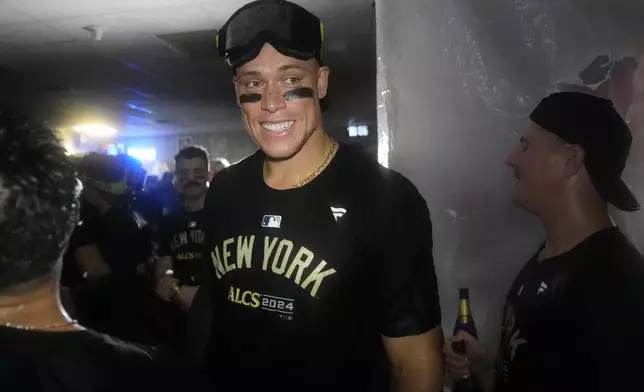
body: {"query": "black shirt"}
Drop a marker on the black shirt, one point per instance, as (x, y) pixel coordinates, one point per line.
(572, 322)
(182, 239)
(305, 281)
(82, 361)
(118, 304)
(122, 238)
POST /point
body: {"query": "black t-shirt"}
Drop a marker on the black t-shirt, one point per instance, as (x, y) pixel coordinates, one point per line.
(117, 304)
(181, 238)
(83, 233)
(305, 281)
(122, 238)
(572, 322)
(82, 361)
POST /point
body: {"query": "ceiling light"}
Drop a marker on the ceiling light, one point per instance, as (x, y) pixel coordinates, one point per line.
(95, 130)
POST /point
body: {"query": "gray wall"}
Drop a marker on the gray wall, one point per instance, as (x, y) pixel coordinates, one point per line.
(457, 79)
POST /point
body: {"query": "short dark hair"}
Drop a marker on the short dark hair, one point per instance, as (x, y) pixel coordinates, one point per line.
(38, 200)
(192, 152)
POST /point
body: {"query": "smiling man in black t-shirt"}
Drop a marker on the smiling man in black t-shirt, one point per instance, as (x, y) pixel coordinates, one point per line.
(571, 312)
(320, 260)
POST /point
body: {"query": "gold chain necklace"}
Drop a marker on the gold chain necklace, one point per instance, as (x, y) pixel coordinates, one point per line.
(332, 151)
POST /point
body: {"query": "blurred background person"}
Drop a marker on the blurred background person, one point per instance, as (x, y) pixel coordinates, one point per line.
(217, 165)
(178, 270)
(109, 252)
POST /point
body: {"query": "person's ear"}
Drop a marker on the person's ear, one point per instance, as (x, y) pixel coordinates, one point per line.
(573, 156)
(323, 81)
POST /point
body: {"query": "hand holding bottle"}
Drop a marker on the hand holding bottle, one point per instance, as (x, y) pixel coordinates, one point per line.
(462, 365)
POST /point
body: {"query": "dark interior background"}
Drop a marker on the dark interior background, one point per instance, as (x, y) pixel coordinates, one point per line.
(155, 76)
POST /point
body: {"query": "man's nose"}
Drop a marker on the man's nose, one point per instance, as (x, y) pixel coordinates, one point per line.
(273, 100)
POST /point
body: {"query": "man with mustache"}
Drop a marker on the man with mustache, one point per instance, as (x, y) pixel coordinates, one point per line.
(178, 270)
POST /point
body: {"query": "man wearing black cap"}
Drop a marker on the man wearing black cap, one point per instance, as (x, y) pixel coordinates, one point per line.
(570, 313)
(320, 260)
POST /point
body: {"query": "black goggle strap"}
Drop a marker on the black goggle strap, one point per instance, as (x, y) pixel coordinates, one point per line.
(227, 58)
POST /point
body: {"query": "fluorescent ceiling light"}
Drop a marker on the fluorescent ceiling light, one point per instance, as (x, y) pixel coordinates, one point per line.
(96, 130)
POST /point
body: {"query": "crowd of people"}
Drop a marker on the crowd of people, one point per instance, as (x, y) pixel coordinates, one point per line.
(307, 266)
(118, 273)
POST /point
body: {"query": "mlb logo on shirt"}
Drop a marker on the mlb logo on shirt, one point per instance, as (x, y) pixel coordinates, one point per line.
(272, 221)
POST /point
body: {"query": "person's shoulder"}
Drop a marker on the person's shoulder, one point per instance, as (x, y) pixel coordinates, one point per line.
(116, 349)
(366, 172)
(613, 244)
(127, 365)
(240, 168)
(80, 360)
(612, 262)
(228, 181)
(235, 173)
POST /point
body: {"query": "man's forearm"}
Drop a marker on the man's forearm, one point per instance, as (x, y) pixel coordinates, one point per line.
(416, 380)
(417, 362)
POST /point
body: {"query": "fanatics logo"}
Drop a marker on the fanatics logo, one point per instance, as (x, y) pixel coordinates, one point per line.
(338, 212)
(542, 287)
(272, 221)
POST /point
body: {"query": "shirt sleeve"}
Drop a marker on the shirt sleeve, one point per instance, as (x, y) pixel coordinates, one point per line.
(408, 296)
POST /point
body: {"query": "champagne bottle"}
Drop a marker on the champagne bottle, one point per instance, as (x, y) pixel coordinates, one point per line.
(465, 322)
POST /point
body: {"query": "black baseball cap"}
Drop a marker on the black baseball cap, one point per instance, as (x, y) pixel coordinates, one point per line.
(593, 124)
